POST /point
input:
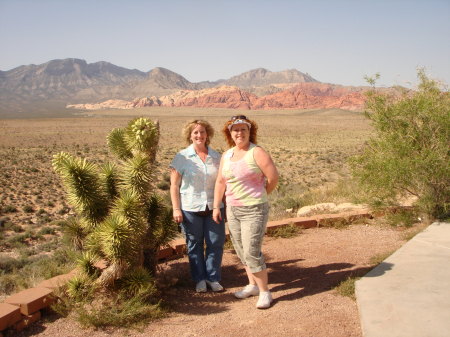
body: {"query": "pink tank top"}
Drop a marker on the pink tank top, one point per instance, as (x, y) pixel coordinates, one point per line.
(246, 185)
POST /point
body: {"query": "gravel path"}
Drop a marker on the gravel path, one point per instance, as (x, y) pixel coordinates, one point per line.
(303, 272)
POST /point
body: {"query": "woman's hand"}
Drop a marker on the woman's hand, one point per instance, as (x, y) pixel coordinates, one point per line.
(175, 182)
(178, 215)
(217, 215)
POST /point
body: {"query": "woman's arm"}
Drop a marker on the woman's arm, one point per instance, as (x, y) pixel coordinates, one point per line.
(175, 182)
(219, 190)
(267, 167)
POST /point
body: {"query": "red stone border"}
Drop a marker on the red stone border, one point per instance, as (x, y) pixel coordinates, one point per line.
(22, 309)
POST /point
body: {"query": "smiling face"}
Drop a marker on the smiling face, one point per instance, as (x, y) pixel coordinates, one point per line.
(240, 133)
(199, 135)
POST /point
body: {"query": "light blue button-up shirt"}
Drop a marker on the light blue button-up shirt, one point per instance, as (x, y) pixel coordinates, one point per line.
(198, 178)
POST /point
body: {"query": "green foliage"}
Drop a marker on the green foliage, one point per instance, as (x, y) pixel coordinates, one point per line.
(402, 217)
(120, 219)
(118, 239)
(84, 187)
(75, 232)
(80, 288)
(111, 179)
(86, 263)
(137, 282)
(287, 231)
(347, 287)
(9, 209)
(377, 259)
(410, 153)
(28, 209)
(121, 312)
(24, 272)
(117, 144)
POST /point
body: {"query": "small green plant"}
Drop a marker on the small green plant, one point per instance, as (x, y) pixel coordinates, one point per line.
(28, 209)
(120, 311)
(287, 231)
(402, 217)
(338, 223)
(347, 287)
(9, 209)
(46, 230)
(377, 259)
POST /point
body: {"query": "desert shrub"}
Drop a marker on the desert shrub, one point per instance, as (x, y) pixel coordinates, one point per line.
(377, 259)
(288, 202)
(11, 283)
(402, 217)
(338, 223)
(46, 230)
(347, 287)
(28, 209)
(9, 209)
(25, 272)
(119, 311)
(287, 231)
(8, 264)
(409, 154)
(121, 220)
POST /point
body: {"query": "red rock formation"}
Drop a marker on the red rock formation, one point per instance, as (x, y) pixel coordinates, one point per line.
(313, 96)
(301, 96)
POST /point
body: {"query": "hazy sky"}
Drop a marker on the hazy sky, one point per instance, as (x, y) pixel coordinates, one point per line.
(335, 41)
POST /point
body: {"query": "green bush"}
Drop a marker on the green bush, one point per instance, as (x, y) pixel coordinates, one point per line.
(409, 154)
(347, 287)
(402, 217)
(28, 209)
(9, 209)
(287, 231)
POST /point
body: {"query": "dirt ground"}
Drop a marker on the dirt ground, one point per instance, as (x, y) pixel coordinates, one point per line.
(303, 272)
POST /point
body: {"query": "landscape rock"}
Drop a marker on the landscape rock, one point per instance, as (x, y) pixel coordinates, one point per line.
(328, 207)
(313, 209)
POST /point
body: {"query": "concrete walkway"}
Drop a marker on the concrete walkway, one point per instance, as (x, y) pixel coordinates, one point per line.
(408, 294)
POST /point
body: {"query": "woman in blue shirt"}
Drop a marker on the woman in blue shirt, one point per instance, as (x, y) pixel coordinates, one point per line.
(193, 173)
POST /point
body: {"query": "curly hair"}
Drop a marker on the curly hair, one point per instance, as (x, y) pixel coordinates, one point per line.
(227, 133)
(187, 130)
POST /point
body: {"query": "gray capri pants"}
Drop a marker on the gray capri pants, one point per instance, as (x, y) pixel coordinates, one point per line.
(247, 226)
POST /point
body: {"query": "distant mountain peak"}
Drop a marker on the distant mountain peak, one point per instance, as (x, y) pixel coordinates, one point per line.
(263, 77)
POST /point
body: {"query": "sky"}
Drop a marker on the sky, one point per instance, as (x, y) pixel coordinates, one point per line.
(334, 41)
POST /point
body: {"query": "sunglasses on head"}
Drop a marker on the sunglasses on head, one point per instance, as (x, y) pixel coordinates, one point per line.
(238, 117)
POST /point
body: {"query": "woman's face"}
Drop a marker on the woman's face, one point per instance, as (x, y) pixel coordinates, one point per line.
(240, 133)
(199, 135)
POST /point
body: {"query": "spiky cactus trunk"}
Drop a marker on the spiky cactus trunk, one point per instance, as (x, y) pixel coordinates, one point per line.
(120, 218)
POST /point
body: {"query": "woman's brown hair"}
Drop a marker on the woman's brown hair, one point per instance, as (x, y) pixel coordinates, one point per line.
(253, 132)
(187, 130)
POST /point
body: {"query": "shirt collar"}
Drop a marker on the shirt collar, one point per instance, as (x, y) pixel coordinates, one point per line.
(191, 150)
(211, 152)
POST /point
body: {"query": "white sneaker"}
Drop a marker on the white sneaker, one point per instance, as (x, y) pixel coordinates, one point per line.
(215, 286)
(247, 291)
(265, 299)
(200, 287)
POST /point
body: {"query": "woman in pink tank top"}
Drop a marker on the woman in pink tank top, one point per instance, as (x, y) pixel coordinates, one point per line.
(246, 176)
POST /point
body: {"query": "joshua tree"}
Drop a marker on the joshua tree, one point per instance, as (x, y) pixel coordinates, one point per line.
(120, 219)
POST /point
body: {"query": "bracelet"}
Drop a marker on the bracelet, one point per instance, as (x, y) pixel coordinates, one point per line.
(177, 209)
(216, 207)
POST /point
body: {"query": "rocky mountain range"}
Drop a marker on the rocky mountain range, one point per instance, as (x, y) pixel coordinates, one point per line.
(78, 84)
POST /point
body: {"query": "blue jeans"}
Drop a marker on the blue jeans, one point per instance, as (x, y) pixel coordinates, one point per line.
(204, 264)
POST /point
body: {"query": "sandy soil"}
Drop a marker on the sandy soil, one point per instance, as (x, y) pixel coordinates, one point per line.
(304, 270)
